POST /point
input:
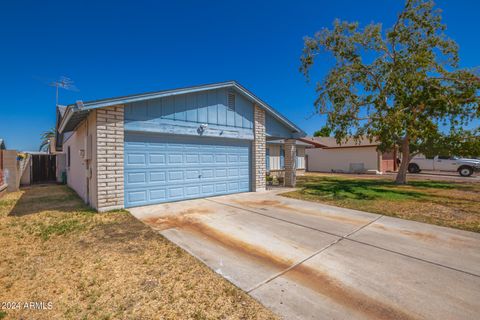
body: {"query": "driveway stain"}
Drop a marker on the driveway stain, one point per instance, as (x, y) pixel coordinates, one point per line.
(191, 224)
(327, 286)
(260, 204)
(415, 234)
(320, 282)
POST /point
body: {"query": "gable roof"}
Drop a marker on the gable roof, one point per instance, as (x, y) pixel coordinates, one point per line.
(75, 113)
(331, 142)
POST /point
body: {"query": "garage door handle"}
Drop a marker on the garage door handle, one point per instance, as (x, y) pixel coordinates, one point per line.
(199, 176)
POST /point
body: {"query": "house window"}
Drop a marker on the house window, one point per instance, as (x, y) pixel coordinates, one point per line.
(231, 101)
(68, 156)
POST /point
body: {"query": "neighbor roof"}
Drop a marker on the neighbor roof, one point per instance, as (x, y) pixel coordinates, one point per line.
(331, 142)
(75, 113)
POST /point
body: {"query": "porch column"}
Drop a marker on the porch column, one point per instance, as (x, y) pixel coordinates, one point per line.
(259, 153)
(290, 163)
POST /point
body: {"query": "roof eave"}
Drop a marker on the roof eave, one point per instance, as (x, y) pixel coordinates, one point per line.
(67, 115)
(297, 132)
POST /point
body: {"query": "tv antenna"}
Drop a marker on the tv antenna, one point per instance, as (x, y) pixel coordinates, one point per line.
(63, 83)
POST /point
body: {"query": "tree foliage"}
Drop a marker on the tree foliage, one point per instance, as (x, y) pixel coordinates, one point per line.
(323, 132)
(402, 86)
(46, 138)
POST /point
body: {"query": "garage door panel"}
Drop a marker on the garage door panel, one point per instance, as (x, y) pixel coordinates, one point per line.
(157, 176)
(158, 194)
(136, 178)
(136, 159)
(161, 168)
(192, 174)
(221, 158)
(208, 189)
(157, 159)
(221, 187)
(137, 196)
(207, 173)
(175, 159)
(220, 173)
(192, 158)
(175, 176)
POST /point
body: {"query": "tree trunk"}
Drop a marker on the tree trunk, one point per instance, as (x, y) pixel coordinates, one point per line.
(402, 171)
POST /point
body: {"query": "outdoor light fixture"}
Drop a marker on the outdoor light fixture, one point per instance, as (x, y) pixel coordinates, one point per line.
(202, 128)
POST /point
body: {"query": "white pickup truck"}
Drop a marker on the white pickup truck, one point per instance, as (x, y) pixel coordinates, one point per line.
(465, 167)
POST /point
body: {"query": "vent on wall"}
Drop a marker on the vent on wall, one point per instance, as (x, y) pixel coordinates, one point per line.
(231, 101)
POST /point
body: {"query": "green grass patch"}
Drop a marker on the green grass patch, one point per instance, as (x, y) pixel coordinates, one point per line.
(61, 228)
(446, 203)
(361, 189)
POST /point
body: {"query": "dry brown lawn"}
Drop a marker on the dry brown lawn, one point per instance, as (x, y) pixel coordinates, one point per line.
(103, 266)
(446, 203)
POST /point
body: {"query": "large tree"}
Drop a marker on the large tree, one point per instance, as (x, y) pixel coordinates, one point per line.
(402, 87)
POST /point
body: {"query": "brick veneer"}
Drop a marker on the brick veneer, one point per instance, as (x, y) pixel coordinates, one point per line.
(259, 153)
(290, 156)
(110, 139)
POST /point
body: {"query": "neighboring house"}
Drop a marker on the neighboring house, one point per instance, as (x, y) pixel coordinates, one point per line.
(350, 156)
(172, 145)
(276, 157)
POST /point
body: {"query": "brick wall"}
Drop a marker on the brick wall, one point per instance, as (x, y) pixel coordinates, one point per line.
(290, 155)
(259, 152)
(109, 147)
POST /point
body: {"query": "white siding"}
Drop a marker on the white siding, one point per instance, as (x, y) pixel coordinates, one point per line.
(77, 175)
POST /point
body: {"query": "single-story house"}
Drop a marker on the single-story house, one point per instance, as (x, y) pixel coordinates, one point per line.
(350, 156)
(276, 157)
(172, 145)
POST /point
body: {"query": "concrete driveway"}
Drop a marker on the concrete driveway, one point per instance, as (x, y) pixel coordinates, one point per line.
(306, 260)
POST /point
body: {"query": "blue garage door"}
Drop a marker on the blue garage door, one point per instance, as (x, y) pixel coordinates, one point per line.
(163, 168)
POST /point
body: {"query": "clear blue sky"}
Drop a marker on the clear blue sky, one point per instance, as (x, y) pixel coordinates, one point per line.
(112, 48)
